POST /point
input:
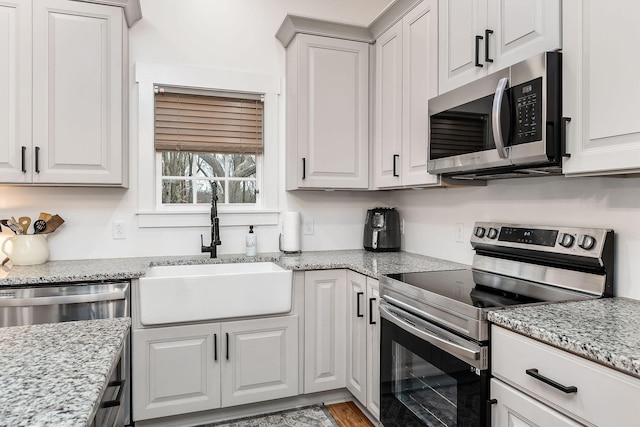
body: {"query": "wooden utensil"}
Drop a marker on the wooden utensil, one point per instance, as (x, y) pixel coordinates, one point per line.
(44, 216)
(54, 222)
(39, 226)
(25, 223)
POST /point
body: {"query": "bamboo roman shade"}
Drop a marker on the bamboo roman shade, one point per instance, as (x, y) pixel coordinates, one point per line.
(203, 123)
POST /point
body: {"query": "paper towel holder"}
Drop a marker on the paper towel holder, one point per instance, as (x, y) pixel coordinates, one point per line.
(286, 252)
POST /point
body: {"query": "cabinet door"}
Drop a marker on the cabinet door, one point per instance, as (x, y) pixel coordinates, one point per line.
(516, 409)
(15, 86)
(357, 335)
(388, 109)
(325, 334)
(260, 360)
(459, 24)
(176, 370)
(333, 112)
(600, 89)
(78, 99)
(522, 29)
(419, 83)
(373, 347)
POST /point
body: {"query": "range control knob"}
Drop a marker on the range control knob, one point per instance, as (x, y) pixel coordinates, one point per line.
(587, 242)
(567, 240)
(493, 233)
(479, 232)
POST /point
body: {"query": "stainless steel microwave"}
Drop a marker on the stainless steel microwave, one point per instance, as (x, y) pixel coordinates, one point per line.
(504, 125)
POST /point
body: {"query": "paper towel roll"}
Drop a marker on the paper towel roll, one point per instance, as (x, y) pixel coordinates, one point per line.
(291, 231)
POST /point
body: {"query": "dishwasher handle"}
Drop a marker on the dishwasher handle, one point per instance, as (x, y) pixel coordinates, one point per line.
(30, 301)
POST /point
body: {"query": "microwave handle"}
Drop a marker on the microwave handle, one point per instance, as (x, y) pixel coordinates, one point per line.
(495, 118)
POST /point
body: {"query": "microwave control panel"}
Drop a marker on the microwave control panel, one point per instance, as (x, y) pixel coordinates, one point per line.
(527, 100)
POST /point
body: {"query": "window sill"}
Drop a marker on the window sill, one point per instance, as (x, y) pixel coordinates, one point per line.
(229, 218)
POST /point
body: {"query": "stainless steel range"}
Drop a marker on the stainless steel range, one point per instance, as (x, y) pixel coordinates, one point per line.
(435, 334)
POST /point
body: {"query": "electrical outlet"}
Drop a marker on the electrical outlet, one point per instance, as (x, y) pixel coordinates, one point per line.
(307, 226)
(460, 232)
(402, 226)
(118, 230)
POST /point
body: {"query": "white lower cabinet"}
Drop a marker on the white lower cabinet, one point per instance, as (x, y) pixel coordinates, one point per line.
(183, 369)
(516, 409)
(324, 327)
(536, 384)
(363, 341)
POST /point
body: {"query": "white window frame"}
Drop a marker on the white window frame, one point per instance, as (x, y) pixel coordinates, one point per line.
(151, 212)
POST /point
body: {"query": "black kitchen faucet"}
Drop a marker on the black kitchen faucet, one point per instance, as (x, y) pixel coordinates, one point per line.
(215, 226)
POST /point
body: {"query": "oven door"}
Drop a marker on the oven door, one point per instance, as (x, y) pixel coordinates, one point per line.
(429, 376)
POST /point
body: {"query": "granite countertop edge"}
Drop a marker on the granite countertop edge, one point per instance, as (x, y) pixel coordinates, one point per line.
(368, 263)
(600, 330)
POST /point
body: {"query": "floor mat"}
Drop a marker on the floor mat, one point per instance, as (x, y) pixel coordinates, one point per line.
(309, 416)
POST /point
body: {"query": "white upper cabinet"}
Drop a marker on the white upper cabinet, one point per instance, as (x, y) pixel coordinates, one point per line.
(406, 77)
(600, 90)
(477, 37)
(327, 113)
(15, 85)
(67, 121)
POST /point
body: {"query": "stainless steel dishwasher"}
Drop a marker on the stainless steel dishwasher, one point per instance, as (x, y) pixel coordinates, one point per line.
(66, 302)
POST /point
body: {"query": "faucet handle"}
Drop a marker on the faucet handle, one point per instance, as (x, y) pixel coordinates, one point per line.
(204, 248)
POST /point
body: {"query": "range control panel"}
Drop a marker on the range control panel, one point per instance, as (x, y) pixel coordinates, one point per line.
(562, 240)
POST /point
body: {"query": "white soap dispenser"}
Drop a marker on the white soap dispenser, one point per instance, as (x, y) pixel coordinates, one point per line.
(251, 243)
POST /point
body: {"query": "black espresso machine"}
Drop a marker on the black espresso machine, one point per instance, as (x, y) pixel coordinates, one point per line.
(382, 230)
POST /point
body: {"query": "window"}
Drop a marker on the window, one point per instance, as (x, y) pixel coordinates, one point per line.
(206, 140)
(152, 212)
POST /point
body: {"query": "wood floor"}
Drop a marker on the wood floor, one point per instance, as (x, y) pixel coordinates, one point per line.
(348, 415)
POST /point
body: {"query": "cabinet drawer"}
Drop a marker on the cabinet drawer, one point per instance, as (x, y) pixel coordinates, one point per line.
(603, 396)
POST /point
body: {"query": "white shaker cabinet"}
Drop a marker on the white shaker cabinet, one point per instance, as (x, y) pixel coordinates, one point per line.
(600, 90)
(67, 111)
(516, 409)
(363, 341)
(184, 369)
(325, 332)
(406, 77)
(477, 37)
(15, 86)
(327, 113)
(540, 385)
(373, 347)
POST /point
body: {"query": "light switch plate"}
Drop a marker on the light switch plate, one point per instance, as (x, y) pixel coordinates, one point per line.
(460, 232)
(307, 226)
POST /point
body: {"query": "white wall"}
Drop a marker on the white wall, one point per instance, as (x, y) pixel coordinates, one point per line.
(227, 34)
(431, 215)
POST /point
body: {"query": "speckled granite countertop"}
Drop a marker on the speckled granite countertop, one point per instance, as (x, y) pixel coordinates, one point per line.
(368, 263)
(602, 330)
(55, 374)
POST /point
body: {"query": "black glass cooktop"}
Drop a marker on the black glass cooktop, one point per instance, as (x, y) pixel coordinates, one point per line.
(481, 289)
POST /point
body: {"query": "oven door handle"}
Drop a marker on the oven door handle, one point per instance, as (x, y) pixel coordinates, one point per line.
(473, 356)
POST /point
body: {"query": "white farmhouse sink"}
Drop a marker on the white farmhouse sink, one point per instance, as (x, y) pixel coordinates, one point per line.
(190, 293)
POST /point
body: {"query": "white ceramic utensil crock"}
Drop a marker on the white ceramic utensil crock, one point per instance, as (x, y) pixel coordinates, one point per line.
(26, 249)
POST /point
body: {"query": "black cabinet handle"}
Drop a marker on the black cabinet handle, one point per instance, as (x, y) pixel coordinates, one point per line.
(215, 347)
(37, 159)
(358, 295)
(227, 345)
(118, 400)
(486, 45)
(371, 321)
(395, 158)
(304, 168)
(478, 40)
(23, 159)
(563, 137)
(566, 389)
(489, 404)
